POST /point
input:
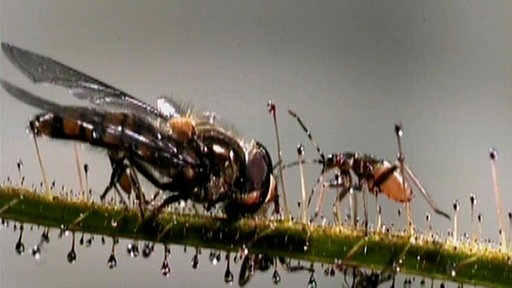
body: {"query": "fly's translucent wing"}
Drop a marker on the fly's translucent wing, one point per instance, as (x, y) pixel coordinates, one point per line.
(142, 137)
(42, 69)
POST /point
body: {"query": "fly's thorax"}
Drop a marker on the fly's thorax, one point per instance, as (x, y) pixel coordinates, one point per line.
(183, 128)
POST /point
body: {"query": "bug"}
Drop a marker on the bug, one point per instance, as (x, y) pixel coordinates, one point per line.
(187, 158)
(372, 174)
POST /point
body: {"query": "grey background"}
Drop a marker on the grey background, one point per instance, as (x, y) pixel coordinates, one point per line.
(351, 69)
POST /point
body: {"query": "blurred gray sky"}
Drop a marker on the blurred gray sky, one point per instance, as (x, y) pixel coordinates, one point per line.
(351, 69)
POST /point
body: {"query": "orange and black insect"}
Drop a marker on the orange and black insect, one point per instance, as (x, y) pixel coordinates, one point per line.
(187, 158)
(371, 173)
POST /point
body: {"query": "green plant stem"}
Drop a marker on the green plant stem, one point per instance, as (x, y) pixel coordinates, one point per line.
(433, 259)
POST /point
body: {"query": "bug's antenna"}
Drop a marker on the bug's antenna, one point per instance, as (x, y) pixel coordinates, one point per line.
(272, 110)
(401, 160)
(318, 149)
(493, 154)
(310, 137)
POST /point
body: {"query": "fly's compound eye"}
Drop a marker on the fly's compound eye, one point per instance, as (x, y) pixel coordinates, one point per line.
(257, 184)
(258, 171)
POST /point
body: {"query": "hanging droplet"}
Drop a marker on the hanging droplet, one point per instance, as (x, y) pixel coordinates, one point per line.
(20, 247)
(81, 241)
(36, 252)
(332, 272)
(217, 258)
(71, 256)
(312, 281)
(102, 240)
(166, 269)
(195, 261)
(112, 261)
(133, 250)
(147, 250)
(45, 237)
(276, 278)
(228, 276)
(88, 243)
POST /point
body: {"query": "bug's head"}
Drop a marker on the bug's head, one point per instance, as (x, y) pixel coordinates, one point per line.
(257, 186)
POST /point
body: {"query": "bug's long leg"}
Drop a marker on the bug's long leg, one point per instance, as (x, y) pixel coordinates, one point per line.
(424, 192)
(320, 201)
(272, 110)
(318, 182)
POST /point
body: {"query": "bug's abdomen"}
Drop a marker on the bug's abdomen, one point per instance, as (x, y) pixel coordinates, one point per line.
(126, 132)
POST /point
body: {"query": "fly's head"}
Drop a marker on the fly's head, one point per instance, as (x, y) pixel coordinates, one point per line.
(256, 186)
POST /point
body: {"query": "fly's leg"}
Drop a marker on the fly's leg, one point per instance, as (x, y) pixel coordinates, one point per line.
(139, 195)
(118, 170)
(167, 201)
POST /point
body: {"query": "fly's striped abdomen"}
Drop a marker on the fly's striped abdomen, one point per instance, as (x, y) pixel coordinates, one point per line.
(127, 132)
(83, 125)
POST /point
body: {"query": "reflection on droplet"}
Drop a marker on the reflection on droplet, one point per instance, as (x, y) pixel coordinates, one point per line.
(112, 261)
(113, 222)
